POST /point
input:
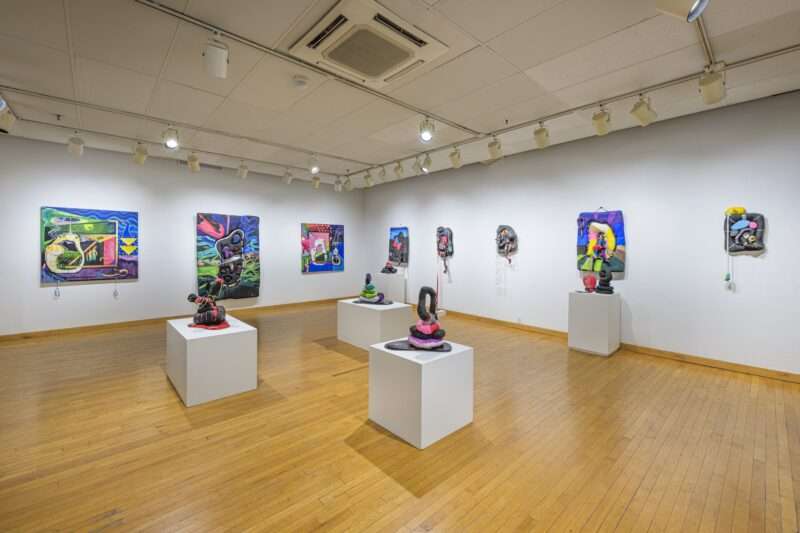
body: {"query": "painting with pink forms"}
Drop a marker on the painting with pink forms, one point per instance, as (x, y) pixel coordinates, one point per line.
(322, 248)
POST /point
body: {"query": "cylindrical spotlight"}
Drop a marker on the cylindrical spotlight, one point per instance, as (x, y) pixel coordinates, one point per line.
(170, 139)
(75, 145)
(427, 164)
(313, 165)
(643, 112)
(348, 184)
(140, 154)
(7, 118)
(399, 171)
(368, 181)
(495, 149)
(687, 10)
(242, 171)
(315, 181)
(426, 130)
(337, 185)
(601, 122)
(288, 177)
(417, 166)
(712, 87)
(542, 136)
(455, 158)
(382, 174)
(193, 162)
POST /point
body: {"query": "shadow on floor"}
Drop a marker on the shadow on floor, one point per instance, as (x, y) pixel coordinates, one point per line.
(348, 350)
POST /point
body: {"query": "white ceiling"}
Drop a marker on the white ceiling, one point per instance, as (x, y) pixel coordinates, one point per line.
(509, 61)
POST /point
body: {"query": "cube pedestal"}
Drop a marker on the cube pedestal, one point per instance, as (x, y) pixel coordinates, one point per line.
(594, 322)
(421, 396)
(205, 365)
(364, 324)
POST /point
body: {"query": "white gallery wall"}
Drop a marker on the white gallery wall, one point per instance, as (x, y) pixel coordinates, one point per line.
(673, 181)
(167, 196)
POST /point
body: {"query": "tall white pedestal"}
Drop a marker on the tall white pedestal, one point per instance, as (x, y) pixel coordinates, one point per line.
(206, 365)
(364, 324)
(421, 396)
(392, 285)
(594, 322)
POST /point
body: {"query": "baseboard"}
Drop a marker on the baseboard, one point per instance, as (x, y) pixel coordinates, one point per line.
(150, 321)
(675, 356)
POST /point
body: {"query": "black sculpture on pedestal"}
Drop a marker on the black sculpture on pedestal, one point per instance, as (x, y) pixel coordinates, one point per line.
(209, 315)
(426, 335)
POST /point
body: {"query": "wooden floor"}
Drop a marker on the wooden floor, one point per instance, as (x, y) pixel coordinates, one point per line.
(93, 437)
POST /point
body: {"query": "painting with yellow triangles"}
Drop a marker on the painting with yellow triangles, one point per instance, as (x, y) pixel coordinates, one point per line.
(88, 245)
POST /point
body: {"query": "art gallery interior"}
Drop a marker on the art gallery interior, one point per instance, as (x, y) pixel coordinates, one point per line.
(400, 265)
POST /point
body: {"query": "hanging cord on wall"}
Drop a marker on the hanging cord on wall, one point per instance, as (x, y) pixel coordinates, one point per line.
(116, 291)
(57, 291)
(729, 283)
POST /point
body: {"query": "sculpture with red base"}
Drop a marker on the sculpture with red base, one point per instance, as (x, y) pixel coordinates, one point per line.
(209, 315)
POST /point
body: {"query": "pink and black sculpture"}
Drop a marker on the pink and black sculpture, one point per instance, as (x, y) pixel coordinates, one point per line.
(209, 315)
(427, 334)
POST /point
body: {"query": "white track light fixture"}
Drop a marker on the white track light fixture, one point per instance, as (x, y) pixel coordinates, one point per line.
(541, 136)
(216, 58)
(643, 111)
(495, 149)
(193, 162)
(75, 145)
(242, 171)
(170, 139)
(455, 158)
(712, 87)
(399, 171)
(417, 166)
(687, 10)
(348, 184)
(427, 164)
(337, 185)
(7, 118)
(313, 165)
(382, 174)
(368, 181)
(426, 130)
(140, 154)
(288, 178)
(602, 122)
(315, 181)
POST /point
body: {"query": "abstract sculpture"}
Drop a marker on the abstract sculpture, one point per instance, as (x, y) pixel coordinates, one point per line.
(426, 335)
(589, 282)
(601, 241)
(209, 315)
(370, 295)
(604, 283)
(444, 244)
(506, 242)
(388, 268)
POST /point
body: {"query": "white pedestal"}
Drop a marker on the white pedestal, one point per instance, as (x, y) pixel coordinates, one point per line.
(594, 322)
(206, 365)
(392, 285)
(421, 396)
(364, 324)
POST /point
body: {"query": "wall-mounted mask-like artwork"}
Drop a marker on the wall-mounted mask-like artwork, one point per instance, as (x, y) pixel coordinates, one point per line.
(744, 232)
(444, 245)
(88, 245)
(228, 248)
(322, 248)
(506, 240)
(601, 241)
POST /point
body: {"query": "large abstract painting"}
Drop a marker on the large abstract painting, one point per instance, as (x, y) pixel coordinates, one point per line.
(322, 248)
(398, 246)
(601, 241)
(88, 245)
(228, 248)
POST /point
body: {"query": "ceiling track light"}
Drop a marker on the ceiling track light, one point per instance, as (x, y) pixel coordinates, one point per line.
(7, 118)
(140, 154)
(426, 130)
(601, 122)
(368, 181)
(337, 185)
(541, 136)
(643, 111)
(382, 174)
(315, 181)
(170, 139)
(712, 86)
(216, 57)
(427, 164)
(242, 171)
(455, 157)
(313, 165)
(348, 184)
(399, 171)
(75, 145)
(495, 149)
(193, 162)
(687, 10)
(417, 166)
(288, 177)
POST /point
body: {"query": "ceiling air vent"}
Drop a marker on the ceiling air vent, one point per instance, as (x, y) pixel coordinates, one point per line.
(366, 42)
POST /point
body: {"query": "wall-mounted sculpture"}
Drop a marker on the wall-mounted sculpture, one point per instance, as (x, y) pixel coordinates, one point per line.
(444, 245)
(427, 334)
(506, 240)
(744, 235)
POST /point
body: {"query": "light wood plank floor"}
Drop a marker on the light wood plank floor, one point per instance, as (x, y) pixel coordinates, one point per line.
(93, 437)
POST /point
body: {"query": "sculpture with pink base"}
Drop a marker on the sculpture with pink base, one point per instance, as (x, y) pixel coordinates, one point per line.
(427, 334)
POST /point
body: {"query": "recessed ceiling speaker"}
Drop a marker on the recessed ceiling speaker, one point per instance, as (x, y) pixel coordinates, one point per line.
(601, 122)
(644, 112)
(216, 58)
(687, 10)
(712, 87)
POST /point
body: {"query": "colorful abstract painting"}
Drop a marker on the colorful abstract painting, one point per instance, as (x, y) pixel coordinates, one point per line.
(322, 248)
(398, 246)
(601, 238)
(744, 233)
(228, 248)
(88, 245)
